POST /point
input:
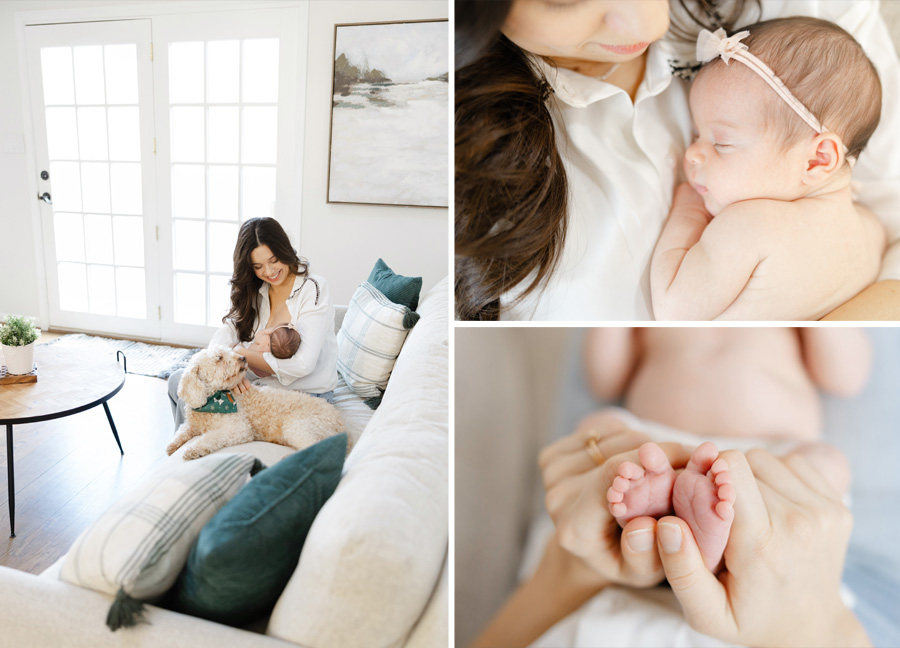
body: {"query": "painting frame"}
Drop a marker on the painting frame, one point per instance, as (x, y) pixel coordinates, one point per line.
(340, 167)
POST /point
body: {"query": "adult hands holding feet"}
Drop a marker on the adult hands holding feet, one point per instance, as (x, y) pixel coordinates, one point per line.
(784, 557)
(577, 474)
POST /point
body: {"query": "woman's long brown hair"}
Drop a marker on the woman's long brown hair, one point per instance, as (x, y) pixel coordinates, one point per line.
(244, 282)
(511, 190)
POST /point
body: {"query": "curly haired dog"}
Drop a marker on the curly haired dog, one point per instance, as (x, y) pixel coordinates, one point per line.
(282, 416)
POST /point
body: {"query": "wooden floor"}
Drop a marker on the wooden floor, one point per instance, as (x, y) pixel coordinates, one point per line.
(69, 470)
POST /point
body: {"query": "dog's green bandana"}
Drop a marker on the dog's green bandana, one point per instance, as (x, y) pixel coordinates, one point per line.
(222, 402)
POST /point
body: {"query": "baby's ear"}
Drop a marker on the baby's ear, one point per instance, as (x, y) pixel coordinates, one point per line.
(825, 157)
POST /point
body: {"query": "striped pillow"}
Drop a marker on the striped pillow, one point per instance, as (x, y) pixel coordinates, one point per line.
(137, 548)
(370, 339)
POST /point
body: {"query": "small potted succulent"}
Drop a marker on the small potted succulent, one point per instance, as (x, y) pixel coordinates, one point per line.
(17, 336)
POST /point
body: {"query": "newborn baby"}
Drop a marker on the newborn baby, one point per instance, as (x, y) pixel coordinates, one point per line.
(726, 382)
(281, 341)
(766, 227)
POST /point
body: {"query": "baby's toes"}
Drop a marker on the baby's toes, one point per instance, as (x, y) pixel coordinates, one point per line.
(653, 458)
(630, 471)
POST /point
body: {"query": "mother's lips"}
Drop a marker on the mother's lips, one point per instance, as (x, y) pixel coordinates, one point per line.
(625, 49)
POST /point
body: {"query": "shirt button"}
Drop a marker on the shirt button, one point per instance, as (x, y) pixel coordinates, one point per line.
(670, 160)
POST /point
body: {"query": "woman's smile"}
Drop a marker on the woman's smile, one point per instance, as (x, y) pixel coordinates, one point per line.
(625, 49)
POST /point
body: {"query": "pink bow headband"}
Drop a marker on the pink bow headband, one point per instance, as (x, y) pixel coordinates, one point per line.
(713, 45)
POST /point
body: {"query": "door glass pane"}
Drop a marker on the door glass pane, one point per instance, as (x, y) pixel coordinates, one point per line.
(102, 289)
(88, 63)
(121, 73)
(124, 134)
(65, 181)
(185, 73)
(190, 245)
(259, 74)
(92, 134)
(62, 134)
(56, 73)
(259, 135)
(223, 192)
(219, 298)
(98, 238)
(69, 236)
(222, 67)
(223, 134)
(222, 237)
(187, 134)
(95, 186)
(128, 240)
(188, 200)
(125, 186)
(190, 298)
(73, 294)
(258, 192)
(131, 297)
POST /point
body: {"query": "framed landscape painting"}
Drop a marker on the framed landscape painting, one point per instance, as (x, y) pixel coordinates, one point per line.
(389, 114)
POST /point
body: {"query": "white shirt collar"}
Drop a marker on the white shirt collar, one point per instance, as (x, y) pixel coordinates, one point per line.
(579, 90)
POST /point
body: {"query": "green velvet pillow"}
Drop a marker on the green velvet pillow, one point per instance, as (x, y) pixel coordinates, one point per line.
(399, 289)
(248, 551)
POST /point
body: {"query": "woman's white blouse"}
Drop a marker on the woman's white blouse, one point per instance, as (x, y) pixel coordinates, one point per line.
(313, 368)
(623, 160)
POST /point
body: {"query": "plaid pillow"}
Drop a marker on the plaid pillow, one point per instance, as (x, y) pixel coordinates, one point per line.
(370, 339)
(137, 548)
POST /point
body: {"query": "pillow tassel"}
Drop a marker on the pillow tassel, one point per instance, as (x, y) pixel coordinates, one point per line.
(257, 466)
(410, 319)
(125, 612)
(373, 402)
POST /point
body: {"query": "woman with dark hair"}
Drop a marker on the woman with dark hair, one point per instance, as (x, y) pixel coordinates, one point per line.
(571, 121)
(272, 285)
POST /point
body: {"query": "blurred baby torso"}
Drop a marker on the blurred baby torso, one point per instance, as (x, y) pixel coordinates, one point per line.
(725, 382)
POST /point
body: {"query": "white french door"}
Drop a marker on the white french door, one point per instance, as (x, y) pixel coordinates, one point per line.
(229, 105)
(91, 86)
(155, 152)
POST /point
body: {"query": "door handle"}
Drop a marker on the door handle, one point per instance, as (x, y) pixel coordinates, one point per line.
(45, 197)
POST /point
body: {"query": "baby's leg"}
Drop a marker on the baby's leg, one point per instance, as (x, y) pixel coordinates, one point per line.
(642, 490)
(703, 497)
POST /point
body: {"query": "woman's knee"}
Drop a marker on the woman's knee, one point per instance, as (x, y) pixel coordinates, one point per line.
(174, 379)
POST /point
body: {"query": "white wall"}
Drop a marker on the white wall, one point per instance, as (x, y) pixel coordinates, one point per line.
(342, 242)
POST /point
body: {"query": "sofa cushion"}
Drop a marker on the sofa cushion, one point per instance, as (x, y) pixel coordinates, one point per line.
(399, 289)
(139, 545)
(375, 553)
(370, 340)
(245, 555)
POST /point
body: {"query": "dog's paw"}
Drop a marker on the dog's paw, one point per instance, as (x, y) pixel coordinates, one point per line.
(172, 447)
(194, 453)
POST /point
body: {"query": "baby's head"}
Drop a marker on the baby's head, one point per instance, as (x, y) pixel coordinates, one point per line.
(751, 144)
(284, 342)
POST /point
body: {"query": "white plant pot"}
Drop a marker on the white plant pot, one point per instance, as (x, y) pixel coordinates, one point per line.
(19, 359)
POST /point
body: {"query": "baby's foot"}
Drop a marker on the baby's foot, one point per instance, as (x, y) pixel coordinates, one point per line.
(642, 490)
(704, 498)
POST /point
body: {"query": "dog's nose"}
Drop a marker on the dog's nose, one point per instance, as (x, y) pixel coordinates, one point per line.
(244, 359)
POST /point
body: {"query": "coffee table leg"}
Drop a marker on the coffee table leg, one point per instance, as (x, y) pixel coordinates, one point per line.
(11, 480)
(113, 426)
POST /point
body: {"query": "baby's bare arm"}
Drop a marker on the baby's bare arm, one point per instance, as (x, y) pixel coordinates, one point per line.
(610, 355)
(838, 359)
(700, 265)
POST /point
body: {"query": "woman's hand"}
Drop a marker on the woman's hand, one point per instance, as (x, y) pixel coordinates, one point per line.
(243, 387)
(784, 559)
(576, 500)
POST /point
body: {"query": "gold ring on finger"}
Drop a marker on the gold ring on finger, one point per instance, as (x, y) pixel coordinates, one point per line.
(593, 451)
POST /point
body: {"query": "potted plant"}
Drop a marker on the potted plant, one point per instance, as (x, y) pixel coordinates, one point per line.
(17, 336)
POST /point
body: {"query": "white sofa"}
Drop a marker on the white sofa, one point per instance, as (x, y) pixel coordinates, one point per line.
(373, 571)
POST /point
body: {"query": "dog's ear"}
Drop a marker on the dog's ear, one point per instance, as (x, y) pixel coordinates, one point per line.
(192, 389)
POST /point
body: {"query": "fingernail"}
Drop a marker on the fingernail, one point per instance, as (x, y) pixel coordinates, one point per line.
(640, 540)
(669, 536)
